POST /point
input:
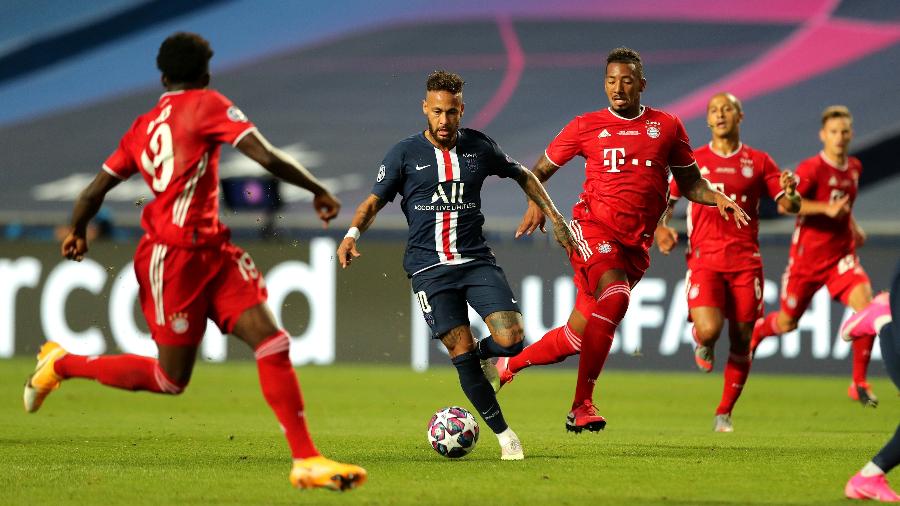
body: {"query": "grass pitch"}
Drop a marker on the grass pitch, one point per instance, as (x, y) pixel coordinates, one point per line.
(797, 441)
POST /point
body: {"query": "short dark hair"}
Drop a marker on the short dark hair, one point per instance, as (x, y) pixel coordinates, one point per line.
(836, 111)
(626, 55)
(441, 80)
(184, 57)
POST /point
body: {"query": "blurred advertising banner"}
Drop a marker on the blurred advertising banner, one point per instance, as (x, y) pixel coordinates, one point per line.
(368, 313)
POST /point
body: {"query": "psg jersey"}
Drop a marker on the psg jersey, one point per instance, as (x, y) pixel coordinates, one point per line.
(441, 195)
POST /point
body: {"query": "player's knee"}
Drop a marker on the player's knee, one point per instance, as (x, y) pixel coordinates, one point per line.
(787, 325)
(171, 385)
(612, 303)
(707, 331)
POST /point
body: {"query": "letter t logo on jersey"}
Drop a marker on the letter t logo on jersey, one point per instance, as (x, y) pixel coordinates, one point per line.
(613, 158)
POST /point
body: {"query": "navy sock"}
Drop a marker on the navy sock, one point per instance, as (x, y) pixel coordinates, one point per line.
(488, 348)
(479, 390)
(889, 456)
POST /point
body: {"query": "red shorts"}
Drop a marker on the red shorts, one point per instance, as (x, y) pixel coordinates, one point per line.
(598, 251)
(739, 295)
(181, 287)
(798, 288)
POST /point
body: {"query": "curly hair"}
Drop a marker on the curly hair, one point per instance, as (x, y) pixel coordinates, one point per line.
(626, 55)
(442, 80)
(184, 57)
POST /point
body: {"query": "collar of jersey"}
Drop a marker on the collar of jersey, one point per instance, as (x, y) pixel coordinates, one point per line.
(643, 109)
(830, 164)
(737, 150)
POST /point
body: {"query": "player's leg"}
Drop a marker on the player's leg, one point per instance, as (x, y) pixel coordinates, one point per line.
(488, 292)
(601, 314)
(745, 300)
(796, 294)
(460, 343)
(176, 318)
(553, 347)
(870, 482)
(238, 306)
(857, 298)
(708, 323)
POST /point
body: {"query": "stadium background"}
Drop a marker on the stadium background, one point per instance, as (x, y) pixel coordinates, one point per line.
(337, 83)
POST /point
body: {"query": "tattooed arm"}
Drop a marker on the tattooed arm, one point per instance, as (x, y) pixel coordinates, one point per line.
(362, 220)
(534, 217)
(538, 197)
(697, 189)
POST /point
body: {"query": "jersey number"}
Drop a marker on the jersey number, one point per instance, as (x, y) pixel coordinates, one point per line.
(162, 165)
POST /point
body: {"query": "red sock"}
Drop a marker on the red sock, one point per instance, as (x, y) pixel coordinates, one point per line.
(862, 353)
(555, 346)
(282, 392)
(603, 318)
(129, 372)
(768, 327)
(736, 371)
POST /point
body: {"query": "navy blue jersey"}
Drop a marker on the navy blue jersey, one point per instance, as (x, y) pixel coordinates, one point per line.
(441, 193)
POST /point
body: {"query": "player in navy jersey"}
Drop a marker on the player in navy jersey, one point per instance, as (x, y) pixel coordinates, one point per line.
(439, 174)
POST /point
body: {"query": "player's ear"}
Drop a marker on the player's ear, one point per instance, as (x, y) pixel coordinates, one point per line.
(462, 109)
(164, 80)
(643, 85)
(425, 107)
(822, 134)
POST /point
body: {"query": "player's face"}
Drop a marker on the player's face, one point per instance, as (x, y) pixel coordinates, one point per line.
(623, 88)
(836, 135)
(443, 110)
(723, 116)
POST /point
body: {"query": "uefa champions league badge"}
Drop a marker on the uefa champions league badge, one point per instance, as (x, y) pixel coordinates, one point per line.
(237, 115)
(380, 176)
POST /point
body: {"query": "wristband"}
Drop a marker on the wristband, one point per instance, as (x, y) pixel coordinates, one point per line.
(352, 232)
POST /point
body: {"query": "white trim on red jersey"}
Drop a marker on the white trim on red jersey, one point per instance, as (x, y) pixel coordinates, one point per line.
(157, 261)
(111, 172)
(549, 160)
(183, 201)
(241, 135)
(841, 168)
(737, 150)
(643, 110)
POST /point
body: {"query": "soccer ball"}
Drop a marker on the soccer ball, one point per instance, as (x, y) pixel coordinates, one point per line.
(453, 432)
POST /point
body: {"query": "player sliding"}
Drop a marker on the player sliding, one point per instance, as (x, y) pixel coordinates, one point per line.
(439, 173)
(725, 277)
(629, 150)
(823, 251)
(877, 319)
(186, 266)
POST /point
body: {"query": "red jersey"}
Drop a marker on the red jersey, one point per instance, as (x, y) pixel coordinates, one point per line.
(819, 241)
(744, 175)
(175, 146)
(626, 167)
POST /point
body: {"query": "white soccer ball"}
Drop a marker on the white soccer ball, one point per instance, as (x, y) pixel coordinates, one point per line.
(453, 432)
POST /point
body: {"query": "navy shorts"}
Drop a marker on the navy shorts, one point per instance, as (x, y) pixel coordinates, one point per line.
(443, 291)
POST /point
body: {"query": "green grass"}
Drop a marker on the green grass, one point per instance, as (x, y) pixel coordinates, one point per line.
(798, 439)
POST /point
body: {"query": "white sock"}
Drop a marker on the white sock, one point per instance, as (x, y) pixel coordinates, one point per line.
(506, 436)
(870, 470)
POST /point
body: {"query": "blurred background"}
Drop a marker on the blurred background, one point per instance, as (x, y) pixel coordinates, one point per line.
(337, 83)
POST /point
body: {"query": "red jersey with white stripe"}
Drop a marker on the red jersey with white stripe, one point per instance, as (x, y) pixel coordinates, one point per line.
(626, 167)
(175, 146)
(819, 241)
(744, 175)
(441, 191)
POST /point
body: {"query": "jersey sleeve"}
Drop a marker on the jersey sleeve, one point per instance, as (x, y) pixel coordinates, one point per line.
(221, 121)
(120, 163)
(565, 146)
(772, 178)
(681, 154)
(806, 175)
(389, 181)
(502, 165)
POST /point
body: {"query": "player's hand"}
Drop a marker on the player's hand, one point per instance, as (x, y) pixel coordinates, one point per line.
(74, 246)
(666, 239)
(563, 235)
(346, 252)
(727, 206)
(788, 183)
(838, 208)
(532, 220)
(327, 207)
